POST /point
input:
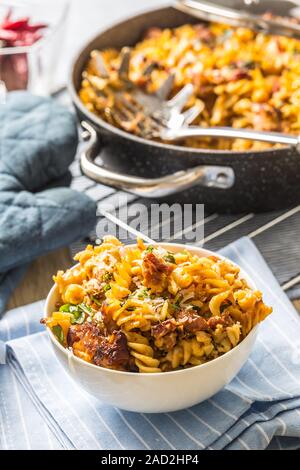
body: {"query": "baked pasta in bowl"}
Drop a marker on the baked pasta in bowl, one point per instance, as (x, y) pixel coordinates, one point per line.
(134, 323)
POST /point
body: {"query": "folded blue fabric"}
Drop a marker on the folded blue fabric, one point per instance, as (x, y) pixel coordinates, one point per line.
(38, 141)
(259, 409)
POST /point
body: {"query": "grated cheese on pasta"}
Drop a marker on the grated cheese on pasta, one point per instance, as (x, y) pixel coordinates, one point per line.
(241, 79)
(149, 310)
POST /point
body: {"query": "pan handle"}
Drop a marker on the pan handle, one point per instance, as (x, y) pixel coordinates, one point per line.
(221, 177)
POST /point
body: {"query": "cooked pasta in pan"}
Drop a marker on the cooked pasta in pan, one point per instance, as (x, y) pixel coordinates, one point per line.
(241, 79)
(145, 309)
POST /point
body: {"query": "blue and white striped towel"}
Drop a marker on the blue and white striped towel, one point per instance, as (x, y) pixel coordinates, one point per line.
(260, 408)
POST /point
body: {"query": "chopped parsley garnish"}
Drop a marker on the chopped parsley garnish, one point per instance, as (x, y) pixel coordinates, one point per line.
(175, 306)
(65, 308)
(226, 35)
(249, 64)
(58, 333)
(96, 301)
(143, 294)
(78, 312)
(86, 308)
(78, 317)
(170, 258)
(149, 249)
(224, 306)
(107, 277)
(177, 300)
(196, 308)
(106, 287)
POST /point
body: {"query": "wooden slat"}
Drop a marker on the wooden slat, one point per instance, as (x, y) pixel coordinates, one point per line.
(297, 305)
(38, 279)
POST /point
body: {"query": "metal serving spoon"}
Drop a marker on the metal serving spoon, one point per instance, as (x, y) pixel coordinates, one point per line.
(168, 123)
(164, 119)
(174, 133)
(171, 125)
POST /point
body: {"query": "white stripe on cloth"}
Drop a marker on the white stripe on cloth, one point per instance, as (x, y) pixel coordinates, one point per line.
(120, 413)
(198, 443)
(279, 362)
(159, 432)
(61, 397)
(21, 413)
(86, 398)
(3, 441)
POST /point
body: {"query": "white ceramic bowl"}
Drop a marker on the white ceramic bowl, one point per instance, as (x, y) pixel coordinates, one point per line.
(158, 392)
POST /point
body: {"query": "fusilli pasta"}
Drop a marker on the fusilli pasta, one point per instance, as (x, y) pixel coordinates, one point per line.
(145, 309)
(241, 79)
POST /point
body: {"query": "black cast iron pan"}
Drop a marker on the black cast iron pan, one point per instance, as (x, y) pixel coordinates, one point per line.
(225, 181)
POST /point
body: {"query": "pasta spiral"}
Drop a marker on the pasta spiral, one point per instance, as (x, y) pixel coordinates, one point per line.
(125, 319)
(190, 351)
(226, 338)
(143, 353)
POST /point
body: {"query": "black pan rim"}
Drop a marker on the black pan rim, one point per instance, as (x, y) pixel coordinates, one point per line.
(98, 122)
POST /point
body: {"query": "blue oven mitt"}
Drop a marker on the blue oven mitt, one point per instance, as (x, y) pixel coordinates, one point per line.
(38, 141)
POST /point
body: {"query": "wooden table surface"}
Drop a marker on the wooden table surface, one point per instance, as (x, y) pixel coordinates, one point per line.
(38, 279)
